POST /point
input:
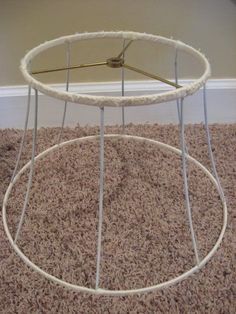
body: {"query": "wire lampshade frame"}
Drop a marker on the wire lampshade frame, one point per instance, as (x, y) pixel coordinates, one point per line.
(178, 94)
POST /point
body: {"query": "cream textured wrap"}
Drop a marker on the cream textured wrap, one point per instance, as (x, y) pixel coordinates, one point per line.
(109, 101)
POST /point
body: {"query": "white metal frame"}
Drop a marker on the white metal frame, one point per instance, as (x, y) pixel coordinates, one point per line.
(122, 101)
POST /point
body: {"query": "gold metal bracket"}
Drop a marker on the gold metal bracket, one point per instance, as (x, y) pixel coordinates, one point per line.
(115, 62)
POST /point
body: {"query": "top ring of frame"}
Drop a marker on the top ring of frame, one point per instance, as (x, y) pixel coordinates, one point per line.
(113, 101)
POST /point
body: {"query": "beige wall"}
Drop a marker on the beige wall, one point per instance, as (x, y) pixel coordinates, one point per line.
(206, 24)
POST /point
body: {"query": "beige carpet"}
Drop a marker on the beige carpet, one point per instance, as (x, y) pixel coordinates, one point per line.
(146, 238)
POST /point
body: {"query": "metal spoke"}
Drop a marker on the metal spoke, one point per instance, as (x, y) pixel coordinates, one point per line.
(123, 89)
(124, 49)
(31, 168)
(210, 153)
(176, 80)
(177, 100)
(68, 56)
(153, 76)
(80, 66)
(24, 134)
(186, 190)
(101, 189)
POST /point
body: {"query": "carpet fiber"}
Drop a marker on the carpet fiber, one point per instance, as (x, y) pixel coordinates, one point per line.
(146, 237)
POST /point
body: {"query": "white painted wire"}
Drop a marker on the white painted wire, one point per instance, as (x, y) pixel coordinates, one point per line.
(68, 58)
(116, 101)
(101, 190)
(123, 90)
(213, 165)
(176, 79)
(177, 100)
(186, 190)
(24, 133)
(31, 167)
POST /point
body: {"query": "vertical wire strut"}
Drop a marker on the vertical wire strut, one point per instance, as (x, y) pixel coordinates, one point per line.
(123, 90)
(68, 57)
(213, 165)
(101, 190)
(176, 79)
(186, 191)
(31, 167)
(24, 134)
(177, 100)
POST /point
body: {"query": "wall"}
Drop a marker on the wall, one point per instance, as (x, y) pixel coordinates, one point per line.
(206, 24)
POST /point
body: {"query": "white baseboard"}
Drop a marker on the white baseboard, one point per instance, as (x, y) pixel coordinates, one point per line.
(221, 105)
